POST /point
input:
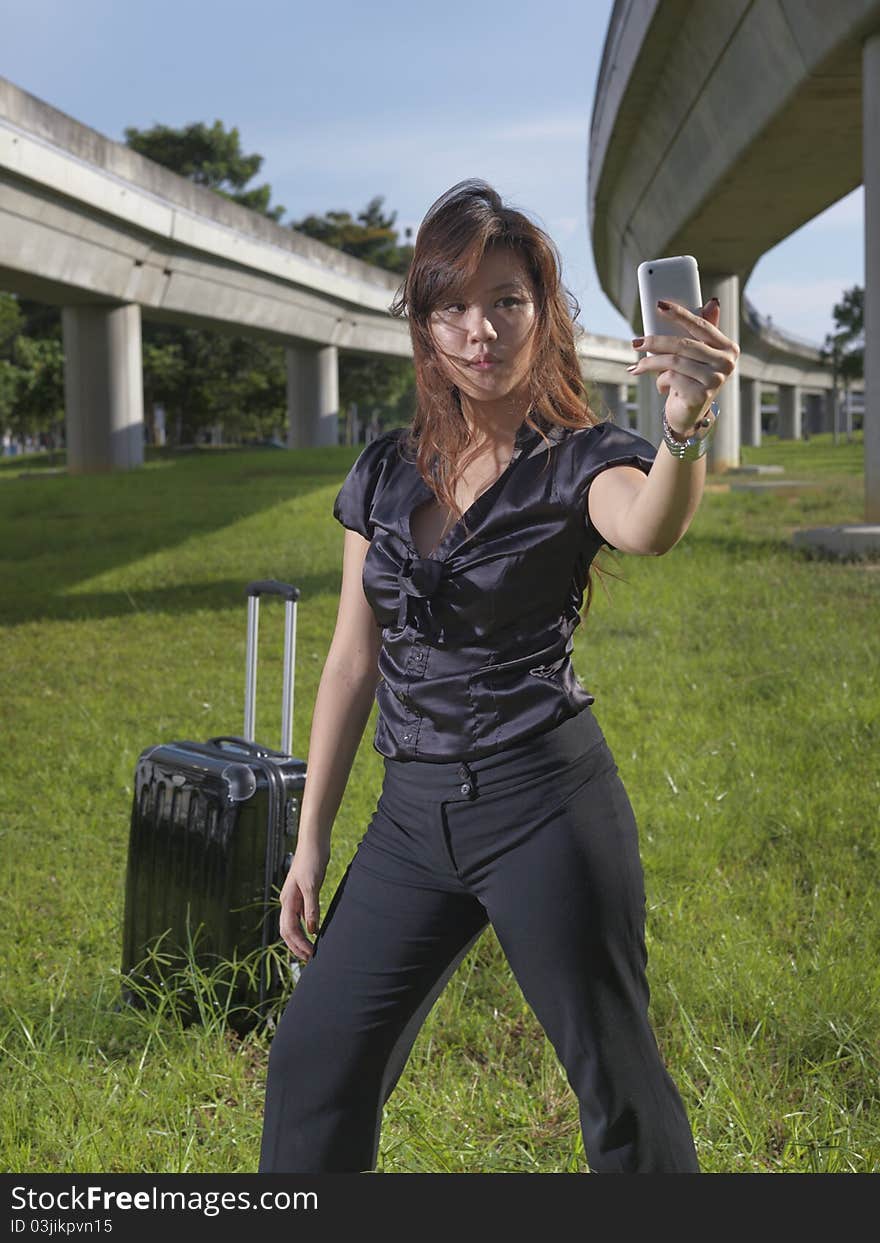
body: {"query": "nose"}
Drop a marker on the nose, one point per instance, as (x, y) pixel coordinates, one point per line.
(480, 326)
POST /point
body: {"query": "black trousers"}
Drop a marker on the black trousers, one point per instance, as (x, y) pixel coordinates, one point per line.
(540, 840)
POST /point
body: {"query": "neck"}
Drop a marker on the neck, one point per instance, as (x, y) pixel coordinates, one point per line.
(494, 424)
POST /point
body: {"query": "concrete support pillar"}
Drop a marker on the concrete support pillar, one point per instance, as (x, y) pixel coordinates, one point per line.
(353, 425)
(790, 426)
(312, 396)
(614, 398)
(724, 447)
(103, 388)
(648, 418)
(828, 410)
(750, 411)
(631, 405)
(871, 178)
(159, 425)
(814, 405)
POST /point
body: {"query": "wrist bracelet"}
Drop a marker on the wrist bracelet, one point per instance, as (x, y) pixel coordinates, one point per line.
(691, 447)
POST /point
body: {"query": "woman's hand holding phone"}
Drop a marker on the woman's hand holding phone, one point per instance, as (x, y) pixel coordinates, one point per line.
(693, 361)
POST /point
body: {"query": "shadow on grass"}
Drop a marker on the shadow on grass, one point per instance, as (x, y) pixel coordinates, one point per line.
(178, 600)
(743, 547)
(61, 531)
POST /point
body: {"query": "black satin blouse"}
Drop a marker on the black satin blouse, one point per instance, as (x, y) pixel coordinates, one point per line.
(477, 639)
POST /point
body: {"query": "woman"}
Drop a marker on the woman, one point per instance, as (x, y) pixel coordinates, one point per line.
(467, 551)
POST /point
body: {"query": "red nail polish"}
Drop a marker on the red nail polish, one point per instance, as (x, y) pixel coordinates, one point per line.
(664, 306)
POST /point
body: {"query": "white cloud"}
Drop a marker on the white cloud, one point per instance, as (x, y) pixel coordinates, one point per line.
(565, 226)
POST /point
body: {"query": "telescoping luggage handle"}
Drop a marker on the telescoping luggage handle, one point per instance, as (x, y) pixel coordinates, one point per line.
(290, 595)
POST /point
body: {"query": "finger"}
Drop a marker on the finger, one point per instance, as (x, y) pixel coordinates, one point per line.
(697, 324)
(690, 347)
(306, 907)
(301, 949)
(312, 915)
(290, 926)
(298, 944)
(682, 365)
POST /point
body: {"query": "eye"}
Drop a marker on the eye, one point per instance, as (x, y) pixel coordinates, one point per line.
(453, 307)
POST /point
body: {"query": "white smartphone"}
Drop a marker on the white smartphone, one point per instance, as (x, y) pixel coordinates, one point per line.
(674, 279)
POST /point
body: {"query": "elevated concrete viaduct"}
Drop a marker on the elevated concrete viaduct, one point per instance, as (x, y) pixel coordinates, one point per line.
(91, 226)
(718, 129)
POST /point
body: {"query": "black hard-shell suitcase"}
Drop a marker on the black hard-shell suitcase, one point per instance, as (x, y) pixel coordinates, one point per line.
(213, 830)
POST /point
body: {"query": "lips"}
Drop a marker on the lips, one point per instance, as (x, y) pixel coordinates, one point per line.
(483, 360)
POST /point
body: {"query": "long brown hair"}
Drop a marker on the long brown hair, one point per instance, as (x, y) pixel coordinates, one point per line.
(454, 235)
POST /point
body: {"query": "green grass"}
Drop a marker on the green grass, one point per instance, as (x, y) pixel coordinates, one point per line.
(737, 684)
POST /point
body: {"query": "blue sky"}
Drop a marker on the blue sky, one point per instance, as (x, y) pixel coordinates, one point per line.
(348, 100)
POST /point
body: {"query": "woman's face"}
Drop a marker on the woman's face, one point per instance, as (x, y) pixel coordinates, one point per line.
(494, 316)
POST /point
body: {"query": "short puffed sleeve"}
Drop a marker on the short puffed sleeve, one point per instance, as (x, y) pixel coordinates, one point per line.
(607, 444)
(354, 501)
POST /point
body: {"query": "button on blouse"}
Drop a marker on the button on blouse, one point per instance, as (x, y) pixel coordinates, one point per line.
(477, 639)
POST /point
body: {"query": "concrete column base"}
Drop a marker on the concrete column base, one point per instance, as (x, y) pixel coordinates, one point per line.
(843, 543)
(103, 388)
(312, 396)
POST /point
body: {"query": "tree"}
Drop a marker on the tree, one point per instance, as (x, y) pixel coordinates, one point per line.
(849, 319)
(372, 237)
(31, 369)
(11, 322)
(383, 383)
(203, 377)
(209, 157)
(207, 378)
(845, 348)
(33, 387)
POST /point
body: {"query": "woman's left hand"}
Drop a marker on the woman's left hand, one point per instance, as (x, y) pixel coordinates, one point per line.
(693, 365)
